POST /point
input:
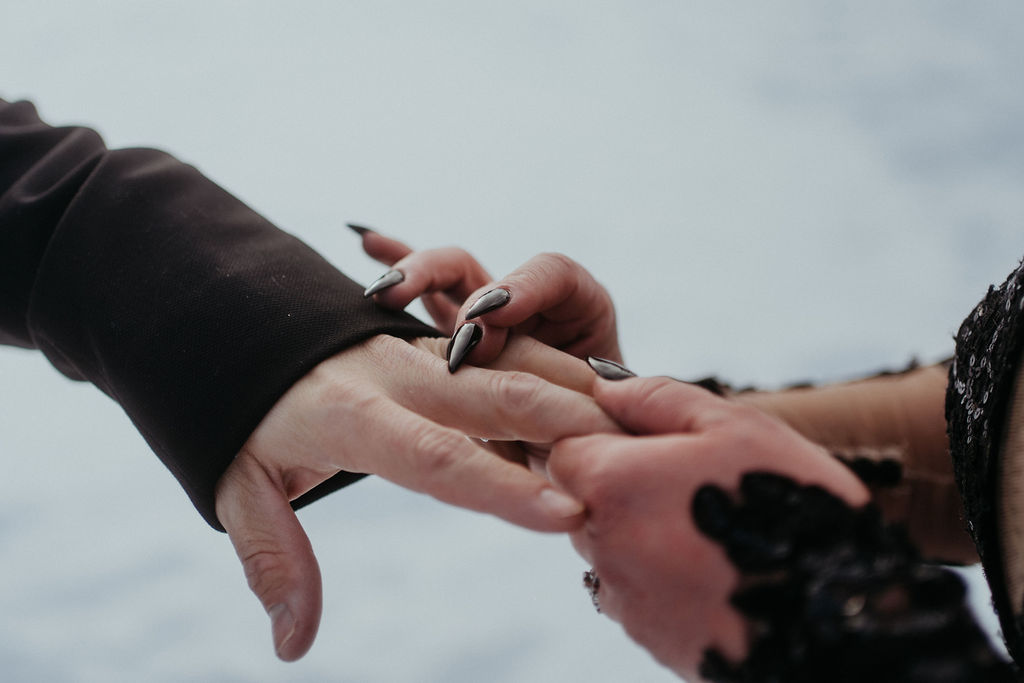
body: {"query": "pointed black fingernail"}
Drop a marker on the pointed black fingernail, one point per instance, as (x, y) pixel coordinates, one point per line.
(609, 369)
(359, 229)
(492, 300)
(463, 341)
(388, 279)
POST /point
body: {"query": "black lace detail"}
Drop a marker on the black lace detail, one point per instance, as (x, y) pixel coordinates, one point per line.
(833, 594)
(878, 472)
(981, 381)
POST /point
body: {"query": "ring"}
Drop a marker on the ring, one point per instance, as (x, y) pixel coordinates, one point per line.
(592, 583)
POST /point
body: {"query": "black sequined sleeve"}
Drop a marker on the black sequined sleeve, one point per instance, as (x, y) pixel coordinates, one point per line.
(981, 384)
(832, 593)
(131, 270)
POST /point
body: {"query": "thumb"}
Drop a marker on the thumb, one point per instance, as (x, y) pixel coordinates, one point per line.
(658, 405)
(275, 552)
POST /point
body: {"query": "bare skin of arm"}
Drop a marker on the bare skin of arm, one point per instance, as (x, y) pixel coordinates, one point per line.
(897, 418)
(391, 408)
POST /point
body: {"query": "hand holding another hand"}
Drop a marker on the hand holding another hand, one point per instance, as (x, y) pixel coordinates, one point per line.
(550, 298)
(391, 408)
(667, 583)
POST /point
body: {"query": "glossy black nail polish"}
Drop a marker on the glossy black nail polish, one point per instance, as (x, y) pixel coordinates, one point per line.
(463, 341)
(359, 229)
(609, 369)
(827, 588)
(388, 279)
(492, 300)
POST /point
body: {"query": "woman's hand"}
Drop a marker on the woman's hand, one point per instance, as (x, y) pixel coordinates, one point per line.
(668, 584)
(390, 407)
(550, 298)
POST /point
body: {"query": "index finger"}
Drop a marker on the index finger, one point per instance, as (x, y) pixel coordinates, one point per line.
(658, 405)
(549, 284)
(489, 404)
(382, 248)
(526, 354)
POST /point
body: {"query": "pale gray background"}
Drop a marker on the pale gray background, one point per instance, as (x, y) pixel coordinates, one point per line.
(801, 190)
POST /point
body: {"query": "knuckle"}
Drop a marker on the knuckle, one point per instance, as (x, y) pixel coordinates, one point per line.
(347, 399)
(340, 392)
(557, 260)
(557, 267)
(384, 347)
(265, 568)
(516, 393)
(572, 462)
(543, 269)
(657, 392)
(458, 254)
(434, 451)
(448, 265)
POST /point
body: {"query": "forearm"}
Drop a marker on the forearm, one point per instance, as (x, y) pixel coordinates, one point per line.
(891, 429)
(131, 270)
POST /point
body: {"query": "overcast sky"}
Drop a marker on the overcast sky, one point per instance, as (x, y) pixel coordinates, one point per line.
(811, 190)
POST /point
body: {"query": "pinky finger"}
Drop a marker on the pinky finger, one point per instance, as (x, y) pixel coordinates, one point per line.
(386, 250)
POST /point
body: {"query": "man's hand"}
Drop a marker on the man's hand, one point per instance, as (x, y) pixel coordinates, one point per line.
(391, 408)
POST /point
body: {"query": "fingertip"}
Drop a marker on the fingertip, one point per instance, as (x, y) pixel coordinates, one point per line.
(492, 343)
(476, 344)
(649, 405)
(463, 341)
(548, 511)
(609, 369)
(631, 390)
(396, 298)
(360, 230)
(385, 249)
(567, 525)
(282, 629)
(490, 301)
(277, 557)
(607, 391)
(384, 282)
(396, 288)
(546, 283)
(294, 622)
(292, 648)
(559, 506)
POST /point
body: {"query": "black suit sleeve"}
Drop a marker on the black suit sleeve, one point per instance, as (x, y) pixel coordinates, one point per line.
(131, 270)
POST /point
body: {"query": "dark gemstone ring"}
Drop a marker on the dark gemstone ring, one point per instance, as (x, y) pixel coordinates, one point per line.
(593, 584)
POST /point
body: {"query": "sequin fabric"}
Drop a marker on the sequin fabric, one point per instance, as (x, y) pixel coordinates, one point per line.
(832, 593)
(981, 379)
